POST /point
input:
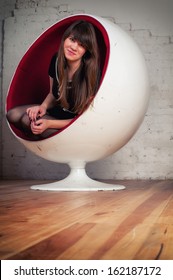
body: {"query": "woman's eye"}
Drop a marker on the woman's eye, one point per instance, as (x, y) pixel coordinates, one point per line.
(81, 45)
(72, 39)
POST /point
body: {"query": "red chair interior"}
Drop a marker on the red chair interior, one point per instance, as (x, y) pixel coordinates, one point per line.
(30, 83)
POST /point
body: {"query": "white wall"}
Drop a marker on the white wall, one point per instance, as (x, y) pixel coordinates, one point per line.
(149, 154)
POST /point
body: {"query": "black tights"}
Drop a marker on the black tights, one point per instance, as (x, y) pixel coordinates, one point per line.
(19, 118)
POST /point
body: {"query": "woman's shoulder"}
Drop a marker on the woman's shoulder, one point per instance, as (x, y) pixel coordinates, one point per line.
(51, 71)
(55, 55)
(54, 58)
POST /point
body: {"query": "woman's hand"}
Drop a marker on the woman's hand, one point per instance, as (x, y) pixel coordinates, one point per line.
(36, 112)
(39, 126)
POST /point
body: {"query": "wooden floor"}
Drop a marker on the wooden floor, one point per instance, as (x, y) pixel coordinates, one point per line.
(135, 223)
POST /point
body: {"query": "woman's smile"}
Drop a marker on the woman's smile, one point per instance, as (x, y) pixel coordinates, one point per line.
(71, 52)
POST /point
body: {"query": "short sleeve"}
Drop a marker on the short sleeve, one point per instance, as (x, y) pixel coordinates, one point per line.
(51, 70)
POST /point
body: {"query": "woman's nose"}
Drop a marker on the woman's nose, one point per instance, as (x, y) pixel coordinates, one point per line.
(74, 45)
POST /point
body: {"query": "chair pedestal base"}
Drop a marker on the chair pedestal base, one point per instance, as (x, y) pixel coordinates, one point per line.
(78, 180)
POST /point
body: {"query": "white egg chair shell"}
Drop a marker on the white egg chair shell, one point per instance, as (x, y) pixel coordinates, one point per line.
(111, 120)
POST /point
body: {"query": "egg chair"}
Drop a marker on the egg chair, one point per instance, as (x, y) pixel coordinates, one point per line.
(112, 118)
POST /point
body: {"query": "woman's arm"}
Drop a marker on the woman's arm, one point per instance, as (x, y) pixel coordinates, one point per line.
(40, 110)
(40, 125)
(50, 100)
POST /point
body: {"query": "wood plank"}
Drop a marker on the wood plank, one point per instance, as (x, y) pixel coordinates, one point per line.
(135, 223)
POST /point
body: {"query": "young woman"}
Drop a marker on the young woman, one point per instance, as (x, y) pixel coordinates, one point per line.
(74, 80)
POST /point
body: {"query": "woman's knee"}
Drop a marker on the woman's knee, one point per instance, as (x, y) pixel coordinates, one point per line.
(19, 118)
(12, 116)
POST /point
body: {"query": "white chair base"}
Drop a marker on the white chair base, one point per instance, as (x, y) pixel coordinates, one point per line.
(78, 180)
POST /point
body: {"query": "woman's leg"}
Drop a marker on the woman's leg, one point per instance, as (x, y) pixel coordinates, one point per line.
(19, 118)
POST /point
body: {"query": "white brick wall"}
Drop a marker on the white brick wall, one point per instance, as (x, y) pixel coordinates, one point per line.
(6, 8)
(149, 154)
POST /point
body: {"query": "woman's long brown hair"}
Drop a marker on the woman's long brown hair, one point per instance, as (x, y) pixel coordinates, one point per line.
(85, 80)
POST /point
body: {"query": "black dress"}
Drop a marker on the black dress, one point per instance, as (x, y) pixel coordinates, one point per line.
(58, 112)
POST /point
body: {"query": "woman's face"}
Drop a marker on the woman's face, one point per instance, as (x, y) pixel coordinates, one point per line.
(73, 49)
